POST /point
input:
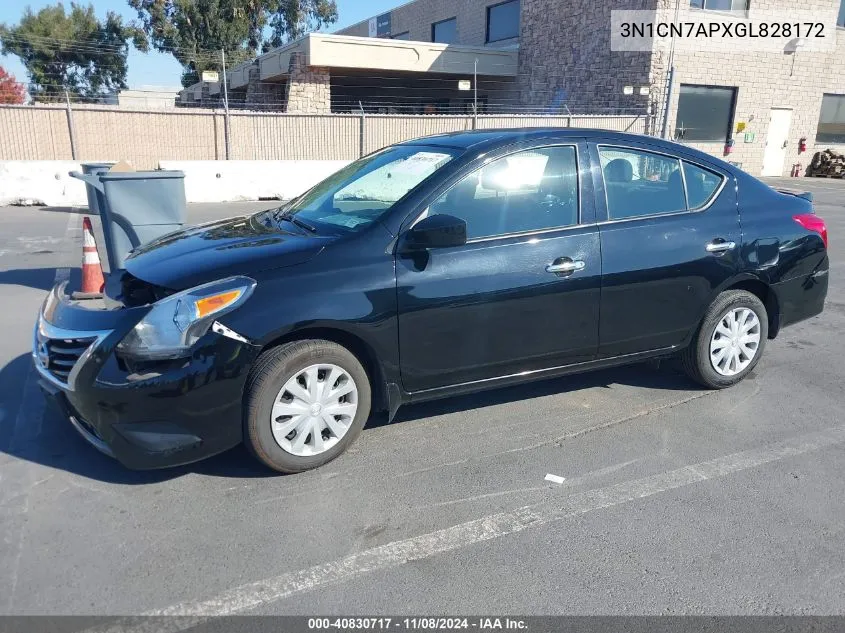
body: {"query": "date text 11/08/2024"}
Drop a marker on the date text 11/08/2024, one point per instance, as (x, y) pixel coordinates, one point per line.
(418, 624)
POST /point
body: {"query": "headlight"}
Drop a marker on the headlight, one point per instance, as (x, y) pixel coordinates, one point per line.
(175, 323)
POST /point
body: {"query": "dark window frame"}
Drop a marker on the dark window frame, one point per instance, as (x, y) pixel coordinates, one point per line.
(435, 24)
(681, 159)
(704, 6)
(840, 97)
(534, 148)
(487, 39)
(731, 115)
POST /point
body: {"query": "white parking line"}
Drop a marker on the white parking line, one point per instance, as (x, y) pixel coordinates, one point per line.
(30, 415)
(28, 423)
(252, 595)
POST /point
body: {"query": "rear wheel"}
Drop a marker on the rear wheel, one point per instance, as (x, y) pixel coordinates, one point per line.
(305, 403)
(730, 341)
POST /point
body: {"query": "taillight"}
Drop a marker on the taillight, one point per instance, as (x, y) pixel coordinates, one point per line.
(812, 222)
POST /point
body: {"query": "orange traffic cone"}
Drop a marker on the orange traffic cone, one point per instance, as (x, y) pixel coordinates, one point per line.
(92, 271)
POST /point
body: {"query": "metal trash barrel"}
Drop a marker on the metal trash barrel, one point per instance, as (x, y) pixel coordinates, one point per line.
(136, 207)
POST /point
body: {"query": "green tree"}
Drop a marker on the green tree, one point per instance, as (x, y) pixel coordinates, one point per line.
(73, 52)
(194, 31)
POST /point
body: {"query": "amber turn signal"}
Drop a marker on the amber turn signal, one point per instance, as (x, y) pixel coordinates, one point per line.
(210, 305)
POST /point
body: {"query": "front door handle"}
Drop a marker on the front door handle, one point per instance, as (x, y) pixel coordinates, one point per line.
(720, 247)
(565, 266)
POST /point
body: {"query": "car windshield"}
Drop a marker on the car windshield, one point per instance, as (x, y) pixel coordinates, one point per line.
(362, 192)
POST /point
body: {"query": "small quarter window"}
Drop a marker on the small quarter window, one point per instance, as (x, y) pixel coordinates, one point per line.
(702, 185)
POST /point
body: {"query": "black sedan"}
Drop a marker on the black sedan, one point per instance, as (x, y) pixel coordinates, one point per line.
(438, 266)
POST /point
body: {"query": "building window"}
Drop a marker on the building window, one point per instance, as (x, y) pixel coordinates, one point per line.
(401, 36)
(720, 5)
(705, 113)
(840, 19)
(503, 21)
(832, 120)
(445, 31)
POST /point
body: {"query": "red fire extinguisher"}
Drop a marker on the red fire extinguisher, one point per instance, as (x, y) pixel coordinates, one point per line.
(729, 146)
(802, 145)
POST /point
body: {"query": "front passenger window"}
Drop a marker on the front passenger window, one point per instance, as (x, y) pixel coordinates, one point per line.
(641, 183)
(526, 191)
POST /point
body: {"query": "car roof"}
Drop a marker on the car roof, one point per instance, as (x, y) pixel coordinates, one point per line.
(486, 140)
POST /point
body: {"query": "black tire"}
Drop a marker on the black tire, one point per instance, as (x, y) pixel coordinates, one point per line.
(695, 359)
(270, 373)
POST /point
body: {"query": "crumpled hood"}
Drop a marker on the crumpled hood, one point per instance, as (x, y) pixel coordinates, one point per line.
(235, 246)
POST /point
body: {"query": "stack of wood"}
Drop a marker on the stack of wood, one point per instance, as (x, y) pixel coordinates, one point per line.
(827, 164)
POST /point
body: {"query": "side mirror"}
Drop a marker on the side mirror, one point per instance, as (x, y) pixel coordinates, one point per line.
(435, 231)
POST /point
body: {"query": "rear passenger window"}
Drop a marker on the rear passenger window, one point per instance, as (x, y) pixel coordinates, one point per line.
(641, 183)
(701, 185)
(526, 191)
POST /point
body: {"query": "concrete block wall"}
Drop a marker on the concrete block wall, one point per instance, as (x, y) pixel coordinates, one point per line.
(764, 81)
(47, 182)
(566, 47)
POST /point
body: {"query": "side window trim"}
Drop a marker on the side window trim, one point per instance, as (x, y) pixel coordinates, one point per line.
(511, 152)
(608, 220)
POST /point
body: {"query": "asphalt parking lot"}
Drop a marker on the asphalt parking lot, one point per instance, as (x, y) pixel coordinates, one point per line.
(676, 500)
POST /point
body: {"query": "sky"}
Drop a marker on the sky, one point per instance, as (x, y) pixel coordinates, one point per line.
(159, 69)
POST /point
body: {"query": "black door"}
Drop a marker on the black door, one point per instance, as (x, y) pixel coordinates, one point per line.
(670, 236)
(523, 293)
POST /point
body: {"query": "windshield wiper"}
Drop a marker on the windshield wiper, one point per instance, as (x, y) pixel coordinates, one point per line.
(295, 220)
(285, 208)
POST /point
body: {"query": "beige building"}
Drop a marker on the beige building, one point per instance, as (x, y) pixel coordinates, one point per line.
(749, 103)
(148, 98)
(763, 101)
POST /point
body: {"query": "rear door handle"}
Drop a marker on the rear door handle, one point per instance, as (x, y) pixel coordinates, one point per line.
(566, 266)
(720, 247)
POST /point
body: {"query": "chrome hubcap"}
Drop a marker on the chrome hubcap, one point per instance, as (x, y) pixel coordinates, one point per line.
(314, 410)
(735, 341)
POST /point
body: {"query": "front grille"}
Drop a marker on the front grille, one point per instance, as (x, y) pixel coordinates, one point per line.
(62, 355)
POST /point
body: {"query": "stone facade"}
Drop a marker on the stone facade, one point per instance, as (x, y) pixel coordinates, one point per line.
(263, 95)
(565, 58)
(308, 87)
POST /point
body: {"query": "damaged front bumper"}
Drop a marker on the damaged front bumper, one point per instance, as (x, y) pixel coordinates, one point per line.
(146, 414)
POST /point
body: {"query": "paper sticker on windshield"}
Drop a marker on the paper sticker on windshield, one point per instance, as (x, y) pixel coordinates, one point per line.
(349, 221)
(420, 163)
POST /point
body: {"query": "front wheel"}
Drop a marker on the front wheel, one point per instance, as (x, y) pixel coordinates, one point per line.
(729, 342)
(305, 403)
